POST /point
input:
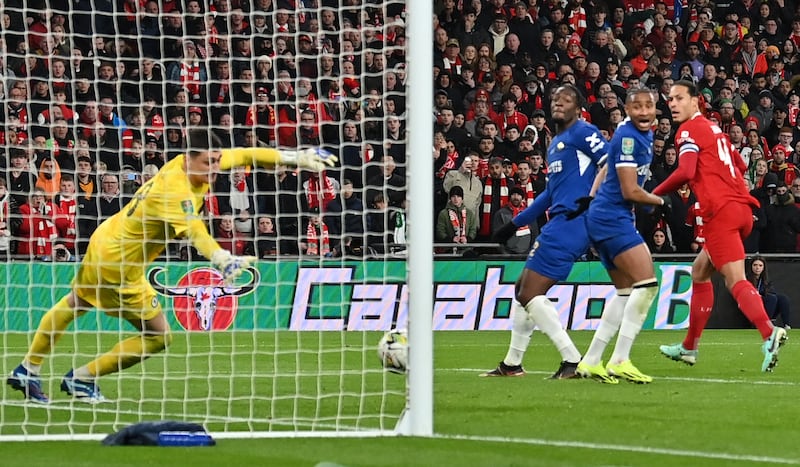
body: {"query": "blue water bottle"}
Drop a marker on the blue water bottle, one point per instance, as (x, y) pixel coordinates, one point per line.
(185, 438)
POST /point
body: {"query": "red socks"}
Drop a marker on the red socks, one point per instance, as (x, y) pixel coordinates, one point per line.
(699, 312)
(752, 306)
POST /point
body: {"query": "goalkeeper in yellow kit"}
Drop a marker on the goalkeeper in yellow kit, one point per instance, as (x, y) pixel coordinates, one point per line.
(111, 276)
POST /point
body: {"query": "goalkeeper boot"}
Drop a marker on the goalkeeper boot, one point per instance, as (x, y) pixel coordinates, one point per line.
(626, 370)
(597, 372)
(771, 347)
(29, 384)
(567, 370)
(86, 391)
(679, 354)
(505, 370)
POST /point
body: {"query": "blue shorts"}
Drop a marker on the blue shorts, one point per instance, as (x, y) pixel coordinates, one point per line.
(558, 246)
(612, 235)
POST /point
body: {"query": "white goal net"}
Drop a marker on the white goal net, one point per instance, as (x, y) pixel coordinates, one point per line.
(98, 95)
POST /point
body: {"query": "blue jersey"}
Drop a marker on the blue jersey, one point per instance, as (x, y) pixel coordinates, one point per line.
(572, 160)
(628, 148)
(610, 219)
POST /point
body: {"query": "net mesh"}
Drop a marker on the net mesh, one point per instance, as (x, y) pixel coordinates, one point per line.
(98, 95)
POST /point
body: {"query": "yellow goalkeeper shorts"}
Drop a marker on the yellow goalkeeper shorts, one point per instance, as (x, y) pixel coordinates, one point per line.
(114, 288)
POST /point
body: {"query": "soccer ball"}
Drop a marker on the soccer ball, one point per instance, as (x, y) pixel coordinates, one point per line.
(393, 351)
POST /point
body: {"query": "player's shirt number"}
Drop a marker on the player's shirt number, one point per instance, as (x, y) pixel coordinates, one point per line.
(139, 197)
(725, 155)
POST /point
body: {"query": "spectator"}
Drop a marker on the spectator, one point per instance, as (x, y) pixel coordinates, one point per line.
(660, 243)
(37, 230)
(9, 222)
(20, 180)
(468, 181)
(266, 245)
(236, 195)
(783, 223)
(49, 178)
(317, 239)
(776, 303)
(496, 188)
(109, 200)
(379, 229)
(228, 237)
(456, 222)
(786, 171)
(283, 200)
(523, 238)
(510, 115)
(67, 205)
(389, 183)
(345, 217)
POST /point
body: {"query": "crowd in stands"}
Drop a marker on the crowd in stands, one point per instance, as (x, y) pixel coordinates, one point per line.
(98, 94)
(499, 62)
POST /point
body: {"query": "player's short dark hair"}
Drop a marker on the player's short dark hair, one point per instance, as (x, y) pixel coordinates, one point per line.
(632, 93)
(690, 87)
(575, 92)
(201, 140)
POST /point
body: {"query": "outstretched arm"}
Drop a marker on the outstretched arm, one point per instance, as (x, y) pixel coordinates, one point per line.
(313, 159)
(685, 172)
(536, 209)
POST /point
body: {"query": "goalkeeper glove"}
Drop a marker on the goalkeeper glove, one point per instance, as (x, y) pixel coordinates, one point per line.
(666, 207)
(316, 159)
(230, 266)
(505, 232)
(583, 206)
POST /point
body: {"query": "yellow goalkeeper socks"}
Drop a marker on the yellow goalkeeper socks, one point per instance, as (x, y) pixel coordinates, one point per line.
(125, 354)
(51, 327)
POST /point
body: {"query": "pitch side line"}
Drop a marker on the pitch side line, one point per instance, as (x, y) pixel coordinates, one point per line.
(623, 448)
(478, 371)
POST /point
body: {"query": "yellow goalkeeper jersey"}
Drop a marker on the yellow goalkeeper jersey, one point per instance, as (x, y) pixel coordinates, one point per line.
(165, 207)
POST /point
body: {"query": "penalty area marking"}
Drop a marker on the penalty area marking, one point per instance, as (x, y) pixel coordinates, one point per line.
(624, 448)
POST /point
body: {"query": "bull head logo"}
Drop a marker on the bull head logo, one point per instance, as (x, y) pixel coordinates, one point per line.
(201, 292)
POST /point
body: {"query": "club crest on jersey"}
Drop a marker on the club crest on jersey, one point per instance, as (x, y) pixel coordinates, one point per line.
(627, 145)
(201, 301)
(560, 146)
(187, 207)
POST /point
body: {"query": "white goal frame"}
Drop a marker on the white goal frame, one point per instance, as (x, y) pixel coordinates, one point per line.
(417, 416)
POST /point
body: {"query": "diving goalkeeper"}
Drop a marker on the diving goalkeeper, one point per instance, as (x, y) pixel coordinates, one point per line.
(111, 276)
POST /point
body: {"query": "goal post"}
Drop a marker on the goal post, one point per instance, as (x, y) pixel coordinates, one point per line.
(290, 350)
(420, 284)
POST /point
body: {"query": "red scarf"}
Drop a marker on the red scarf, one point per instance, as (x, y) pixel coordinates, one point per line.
(314, 196)
(211, 204)
(486, 218)
(482, 170)
(529, 194)
(449, 164)
(44, 231)
(68, 209)
(318, 244)
(459, 223)
(190, 77)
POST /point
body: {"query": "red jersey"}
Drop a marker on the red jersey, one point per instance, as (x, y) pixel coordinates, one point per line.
(711, 166)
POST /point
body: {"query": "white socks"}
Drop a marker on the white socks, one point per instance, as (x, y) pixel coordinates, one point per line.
(521, 330)
(609, 325)
(633, 317)
(543, 313)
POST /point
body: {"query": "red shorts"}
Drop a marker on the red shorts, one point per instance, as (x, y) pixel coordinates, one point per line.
(725, 233)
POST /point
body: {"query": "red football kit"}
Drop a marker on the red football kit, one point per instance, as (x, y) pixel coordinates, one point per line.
(713, 169)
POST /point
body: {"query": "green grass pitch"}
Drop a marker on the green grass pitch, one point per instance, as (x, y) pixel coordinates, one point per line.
(721, 412)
